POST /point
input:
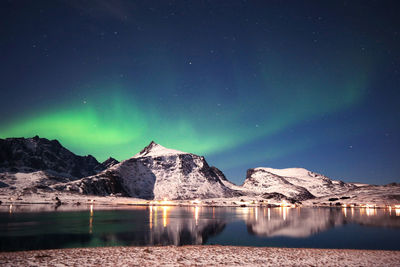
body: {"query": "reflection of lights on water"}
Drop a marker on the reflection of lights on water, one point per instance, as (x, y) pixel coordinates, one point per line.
(10, 209)
(90, 225)
(344, 211)
(245, 210)
(269, 214)
(352, 211)
(256, 213)
(151, 217)
(196, 214)
(283, 211)
(213, 209)
(91, 219)
(397, 212)
(370, 211)
(165, 216)
(155, 216)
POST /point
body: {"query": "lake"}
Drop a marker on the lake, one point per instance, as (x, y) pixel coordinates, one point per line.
(34, 227)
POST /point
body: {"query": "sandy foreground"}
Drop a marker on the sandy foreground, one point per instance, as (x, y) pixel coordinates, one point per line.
(200, 256)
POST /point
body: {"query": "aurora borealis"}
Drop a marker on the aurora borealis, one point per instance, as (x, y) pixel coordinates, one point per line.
(311, 84)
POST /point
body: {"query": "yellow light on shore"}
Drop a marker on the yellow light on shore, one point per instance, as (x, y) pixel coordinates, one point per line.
(165, 201)
(196, 202)
(284, 204)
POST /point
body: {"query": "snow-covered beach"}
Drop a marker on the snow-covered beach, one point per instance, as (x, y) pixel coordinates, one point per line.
(200, 256)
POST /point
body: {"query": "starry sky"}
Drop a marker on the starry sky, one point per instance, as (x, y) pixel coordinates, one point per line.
(313, 84)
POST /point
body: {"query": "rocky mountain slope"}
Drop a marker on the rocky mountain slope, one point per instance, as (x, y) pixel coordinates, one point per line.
(31, 164)
(25, 155)
(157, 173)
(370, 194)
(317, 184)
(293, 184)
(260, 181)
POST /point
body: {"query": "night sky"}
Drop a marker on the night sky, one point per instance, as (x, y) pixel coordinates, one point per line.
(313, 84)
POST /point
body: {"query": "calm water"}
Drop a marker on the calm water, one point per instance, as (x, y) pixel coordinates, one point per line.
(23, 229)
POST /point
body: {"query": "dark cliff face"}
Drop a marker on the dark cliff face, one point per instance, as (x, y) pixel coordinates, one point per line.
(219, 173)
(34, 154)
(109, 162)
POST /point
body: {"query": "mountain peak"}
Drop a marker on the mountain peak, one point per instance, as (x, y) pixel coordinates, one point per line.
(155, 150)
(109, 162)
(292, 172)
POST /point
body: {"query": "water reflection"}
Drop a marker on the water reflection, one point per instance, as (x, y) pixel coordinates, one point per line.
(180, 226)
(91, 219)
(167, 225)
(304, 222)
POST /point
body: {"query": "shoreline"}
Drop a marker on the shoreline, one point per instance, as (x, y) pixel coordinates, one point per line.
(205, 255)
(76, 200)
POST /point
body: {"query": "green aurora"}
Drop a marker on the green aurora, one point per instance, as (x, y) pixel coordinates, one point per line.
(119, 125)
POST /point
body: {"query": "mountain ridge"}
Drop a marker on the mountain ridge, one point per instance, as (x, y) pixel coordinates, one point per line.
(156, 172)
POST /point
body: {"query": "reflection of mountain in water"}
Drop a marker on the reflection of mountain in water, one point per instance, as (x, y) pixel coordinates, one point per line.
(303, 222)
(162, 225)
(172, 226)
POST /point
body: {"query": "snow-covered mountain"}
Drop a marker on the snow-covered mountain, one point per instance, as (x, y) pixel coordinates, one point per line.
(31, 164)
(317, 184)
(293, 183)
(26, 155)
(261, 181)
(157, 173)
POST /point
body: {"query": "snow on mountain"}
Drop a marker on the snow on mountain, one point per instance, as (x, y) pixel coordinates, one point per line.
(317, 184)
(261, 181)
(157, 173)
(156, 150)
(40, 154)
(376, 194)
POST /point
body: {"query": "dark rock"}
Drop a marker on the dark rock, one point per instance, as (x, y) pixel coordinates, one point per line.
(35, 154)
